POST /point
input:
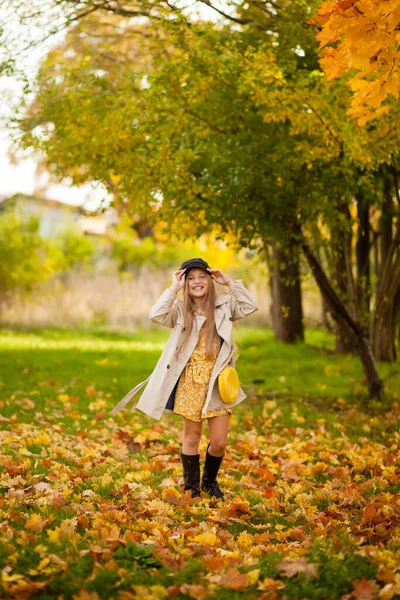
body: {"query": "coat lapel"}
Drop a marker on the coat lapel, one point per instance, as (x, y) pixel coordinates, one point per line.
(219, 317)
(221, 313)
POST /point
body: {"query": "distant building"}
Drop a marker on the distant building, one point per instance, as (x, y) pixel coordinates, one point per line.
(55, 216)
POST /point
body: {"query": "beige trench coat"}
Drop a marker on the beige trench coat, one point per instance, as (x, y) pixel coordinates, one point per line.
(169, 312)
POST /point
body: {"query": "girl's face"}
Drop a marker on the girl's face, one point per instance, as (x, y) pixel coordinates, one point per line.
(197, 281)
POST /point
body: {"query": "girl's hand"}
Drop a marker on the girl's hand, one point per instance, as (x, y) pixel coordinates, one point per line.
(178, 280)
(220, 277)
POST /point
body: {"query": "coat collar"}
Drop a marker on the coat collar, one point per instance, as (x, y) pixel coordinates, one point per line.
(221, 299)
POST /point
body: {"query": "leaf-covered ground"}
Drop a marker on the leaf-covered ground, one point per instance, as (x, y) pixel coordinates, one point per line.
(92, 507)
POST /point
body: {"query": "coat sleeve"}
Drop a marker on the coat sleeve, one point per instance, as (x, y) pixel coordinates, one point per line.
(242, 302)
(164, 310)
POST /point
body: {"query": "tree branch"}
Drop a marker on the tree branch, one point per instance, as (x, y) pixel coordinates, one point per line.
(231, 18)
(336, 305)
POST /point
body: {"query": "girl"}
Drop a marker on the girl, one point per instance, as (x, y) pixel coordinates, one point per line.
(185, 379)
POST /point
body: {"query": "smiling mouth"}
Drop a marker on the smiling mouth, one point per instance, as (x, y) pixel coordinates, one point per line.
(198, 288)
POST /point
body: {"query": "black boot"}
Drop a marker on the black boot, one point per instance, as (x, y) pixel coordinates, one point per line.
(210, 472)
(191, 473)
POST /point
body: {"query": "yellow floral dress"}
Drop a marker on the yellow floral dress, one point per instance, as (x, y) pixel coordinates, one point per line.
(192, 389)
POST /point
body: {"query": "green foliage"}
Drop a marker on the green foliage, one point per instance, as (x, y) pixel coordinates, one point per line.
(127, 252)
(24, 260)
(232, 130)
(165, 251)
(76, 248)
(131, 253)
(28, 259)
(131, 554)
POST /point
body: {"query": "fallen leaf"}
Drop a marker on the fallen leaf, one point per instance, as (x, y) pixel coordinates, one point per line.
(234, 580)
(37, 523)
(194, 590)
(292, 566)
(364, 589)
(84, 595)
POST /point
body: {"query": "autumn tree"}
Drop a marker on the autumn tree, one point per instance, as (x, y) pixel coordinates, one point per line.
(360, 38)
(213, 145)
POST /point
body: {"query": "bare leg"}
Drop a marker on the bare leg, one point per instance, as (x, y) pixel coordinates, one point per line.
(191, 436)
(218, 428)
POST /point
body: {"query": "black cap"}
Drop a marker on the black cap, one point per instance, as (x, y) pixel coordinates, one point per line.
(195, 262)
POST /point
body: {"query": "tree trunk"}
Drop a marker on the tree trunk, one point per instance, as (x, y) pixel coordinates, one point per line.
(286, 308)
(324, 315)
(325, 322)
(339, 310)
(346, 341)
(342, 276)
(363, 247)
(383, 340)
(375, 383)
(396, 313)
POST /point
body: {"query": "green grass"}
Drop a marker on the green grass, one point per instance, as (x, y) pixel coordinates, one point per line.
(307, 369)
(68, 360)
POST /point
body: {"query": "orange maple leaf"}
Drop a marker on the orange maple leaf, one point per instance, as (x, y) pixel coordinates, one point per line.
(234, 580)
(291, 566)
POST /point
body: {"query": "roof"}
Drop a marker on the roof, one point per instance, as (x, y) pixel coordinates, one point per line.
(43, 201)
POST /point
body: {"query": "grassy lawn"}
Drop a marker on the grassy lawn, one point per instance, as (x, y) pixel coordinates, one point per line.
(92, 506)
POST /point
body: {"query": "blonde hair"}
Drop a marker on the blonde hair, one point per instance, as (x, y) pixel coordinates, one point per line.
(189, 305)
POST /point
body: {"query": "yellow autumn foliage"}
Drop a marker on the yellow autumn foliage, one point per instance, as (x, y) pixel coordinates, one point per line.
(361, 38)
